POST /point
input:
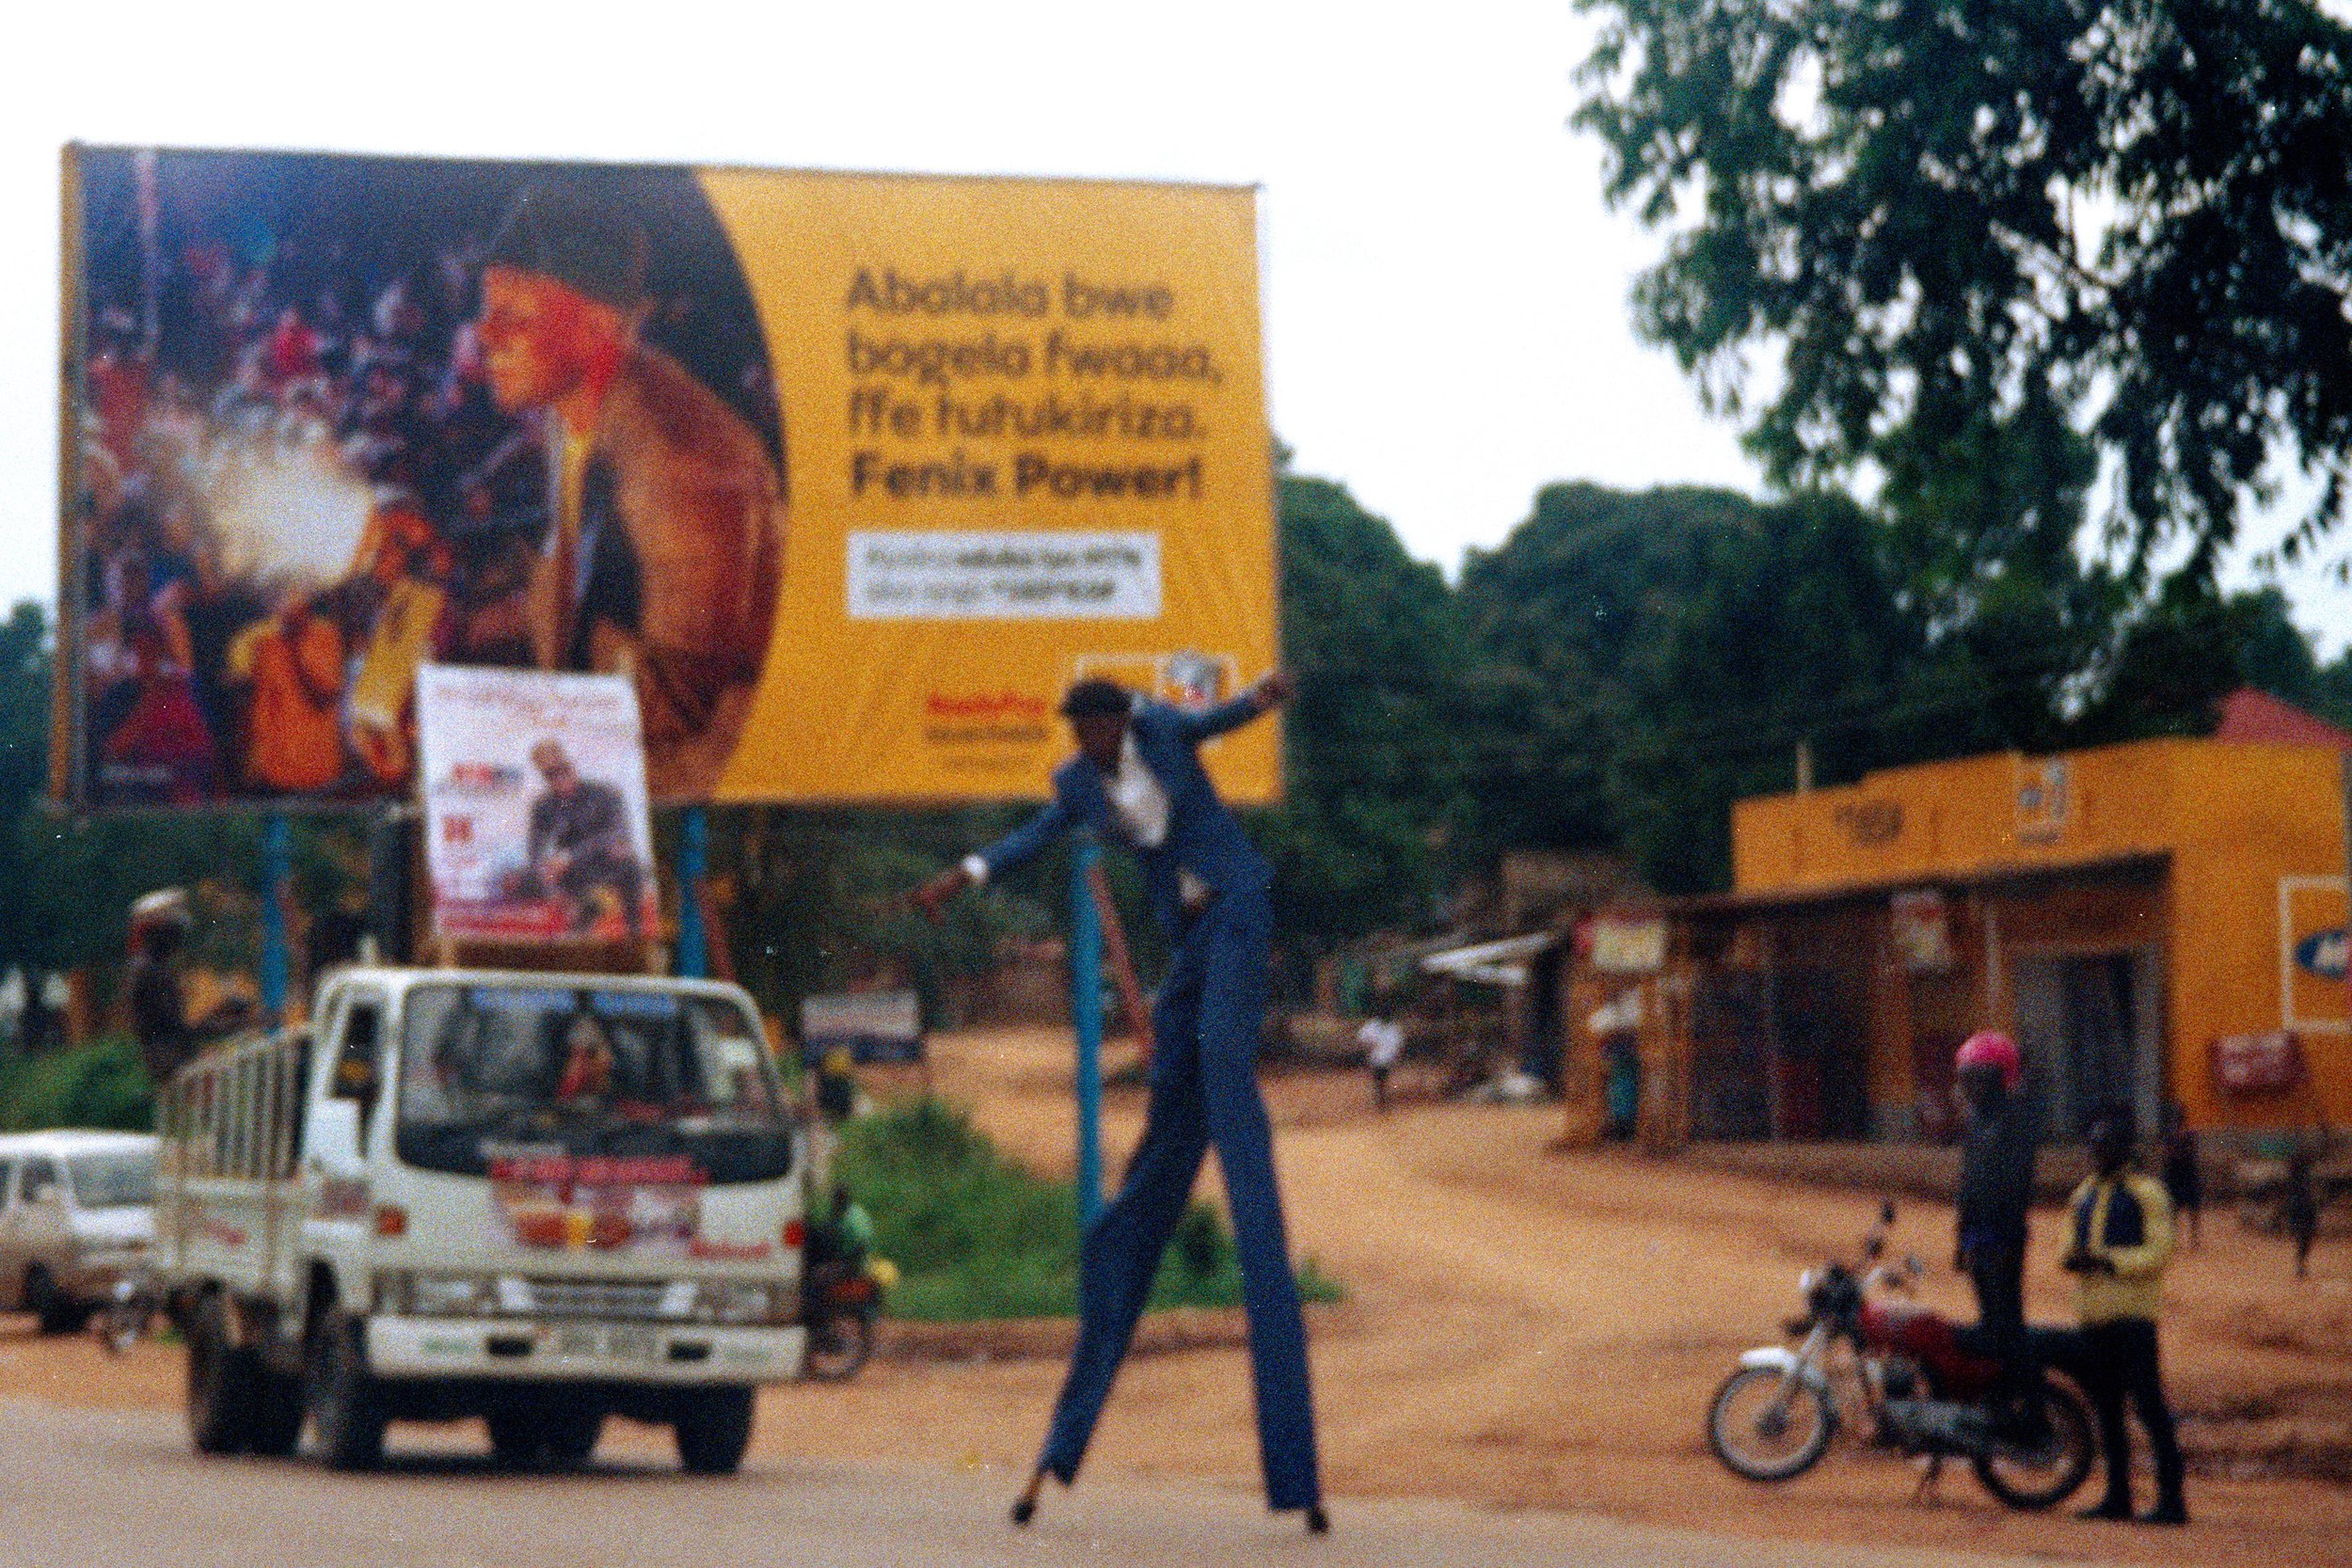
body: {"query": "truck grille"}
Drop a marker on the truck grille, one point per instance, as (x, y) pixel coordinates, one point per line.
(596, 1298)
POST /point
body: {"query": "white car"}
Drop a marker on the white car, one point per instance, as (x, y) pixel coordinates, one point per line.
(76, 1214)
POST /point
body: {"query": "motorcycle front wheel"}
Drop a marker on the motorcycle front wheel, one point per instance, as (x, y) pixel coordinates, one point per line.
(1768, 1426)
(2044, 1472)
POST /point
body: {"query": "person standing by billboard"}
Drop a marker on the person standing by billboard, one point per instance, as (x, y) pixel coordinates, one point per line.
(1138, 780)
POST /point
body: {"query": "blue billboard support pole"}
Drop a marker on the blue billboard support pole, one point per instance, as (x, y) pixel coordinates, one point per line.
(1086, 1013)
(694, 857)
(277, 951)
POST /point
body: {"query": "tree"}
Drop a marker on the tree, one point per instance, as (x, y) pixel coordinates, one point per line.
(2187, 648)
(1795, 632)
(1962, 227)
(1376, 762)
(1572, 618)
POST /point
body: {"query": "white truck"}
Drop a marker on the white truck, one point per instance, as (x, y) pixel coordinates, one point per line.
(542, 1199)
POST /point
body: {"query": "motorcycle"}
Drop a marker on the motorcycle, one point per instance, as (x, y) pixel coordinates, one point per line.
(842, 1298)
(130, 1308)
(1913, 1380)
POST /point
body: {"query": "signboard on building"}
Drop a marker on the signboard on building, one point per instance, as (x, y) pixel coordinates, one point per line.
(872, 1026)
(849, 475)
(2257, 1064)
(1627, 946)
(535, 818)
(2312, 953)
(1920, 925)
(2044, 797)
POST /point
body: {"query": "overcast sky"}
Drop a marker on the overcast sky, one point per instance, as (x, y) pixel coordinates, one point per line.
(1445, 295)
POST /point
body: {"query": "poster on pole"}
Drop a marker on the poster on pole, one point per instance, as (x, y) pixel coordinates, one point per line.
(535, 819)
(847, 475)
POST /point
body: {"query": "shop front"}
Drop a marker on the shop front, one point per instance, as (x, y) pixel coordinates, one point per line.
(2160, 923)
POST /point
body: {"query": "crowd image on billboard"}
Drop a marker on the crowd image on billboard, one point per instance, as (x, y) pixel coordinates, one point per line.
(339, 417)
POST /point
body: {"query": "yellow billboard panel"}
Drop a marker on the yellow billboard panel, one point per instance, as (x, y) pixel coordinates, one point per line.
(851, 474)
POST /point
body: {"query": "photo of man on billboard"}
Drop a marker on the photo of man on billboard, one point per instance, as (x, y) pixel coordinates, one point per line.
(338, 418)
(665, 540)
(580, 846)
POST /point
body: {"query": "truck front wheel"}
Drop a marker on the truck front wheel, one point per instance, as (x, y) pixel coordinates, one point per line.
(714, 1426)
(275, 1429)
(346, 1407)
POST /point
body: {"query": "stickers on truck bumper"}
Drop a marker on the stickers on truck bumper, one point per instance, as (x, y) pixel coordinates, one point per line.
(626, 1351)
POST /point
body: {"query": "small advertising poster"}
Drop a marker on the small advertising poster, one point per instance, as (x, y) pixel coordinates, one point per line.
(2311, 952)
(1623, 945)
(535, 820)
(1921, 927)
(872, 1026)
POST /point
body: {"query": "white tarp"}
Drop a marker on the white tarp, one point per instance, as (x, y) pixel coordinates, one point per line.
(1493, 963)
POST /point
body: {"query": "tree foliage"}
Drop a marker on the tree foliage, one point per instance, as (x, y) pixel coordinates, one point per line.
(1376, 758)
(1948, 241)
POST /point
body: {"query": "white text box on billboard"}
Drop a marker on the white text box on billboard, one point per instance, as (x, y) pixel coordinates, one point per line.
(1030, 575)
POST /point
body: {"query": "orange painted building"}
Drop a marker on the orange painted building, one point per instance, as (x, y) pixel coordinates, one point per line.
(2162, 922)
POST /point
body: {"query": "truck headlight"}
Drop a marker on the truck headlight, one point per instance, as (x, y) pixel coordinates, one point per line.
(439, 1295)
(739, 1301)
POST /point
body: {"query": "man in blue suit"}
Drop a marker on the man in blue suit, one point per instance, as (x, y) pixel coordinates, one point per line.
(1138, 780)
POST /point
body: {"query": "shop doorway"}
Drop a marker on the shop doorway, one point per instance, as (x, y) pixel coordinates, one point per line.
(2090, 1028)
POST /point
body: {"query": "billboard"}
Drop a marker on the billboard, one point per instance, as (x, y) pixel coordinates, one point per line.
(847, 475)
(535, 819)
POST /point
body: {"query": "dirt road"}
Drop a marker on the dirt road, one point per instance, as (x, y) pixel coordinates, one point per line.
(107, 1489)
(1525, 1331)
(1542, 1330)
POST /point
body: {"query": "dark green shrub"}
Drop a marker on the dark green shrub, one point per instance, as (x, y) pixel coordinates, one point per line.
(976, 1235)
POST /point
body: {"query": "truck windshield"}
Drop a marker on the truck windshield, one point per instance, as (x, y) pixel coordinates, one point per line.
(487, 1070)
(112, 1180)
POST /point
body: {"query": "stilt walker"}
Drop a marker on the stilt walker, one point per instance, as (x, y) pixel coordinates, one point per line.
(1137, 782)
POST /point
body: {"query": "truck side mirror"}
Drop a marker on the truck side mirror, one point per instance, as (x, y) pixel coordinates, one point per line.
(333, 1135)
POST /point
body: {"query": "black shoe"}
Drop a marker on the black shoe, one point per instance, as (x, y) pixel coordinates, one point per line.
(2174, 1512)
(2108, 1508)
(1318, 1522)
(1024, 1506)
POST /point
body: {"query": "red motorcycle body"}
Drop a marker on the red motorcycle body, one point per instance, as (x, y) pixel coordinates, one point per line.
(1933, 1341)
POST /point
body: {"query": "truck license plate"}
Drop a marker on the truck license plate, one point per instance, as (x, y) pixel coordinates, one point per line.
(614, 1344)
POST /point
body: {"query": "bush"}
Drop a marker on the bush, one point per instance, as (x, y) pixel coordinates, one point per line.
(976, 1235)
(100, 1084)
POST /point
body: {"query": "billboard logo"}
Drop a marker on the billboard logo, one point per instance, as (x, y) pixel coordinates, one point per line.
(2323, 953)
(483, 778)
(2314, 954)
(2042, 800)
(1194, 680)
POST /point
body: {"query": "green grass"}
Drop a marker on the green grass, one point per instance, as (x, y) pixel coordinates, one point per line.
(98, 1085)
(975, 1235)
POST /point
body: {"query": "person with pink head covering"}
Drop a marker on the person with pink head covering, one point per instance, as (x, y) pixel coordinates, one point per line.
(1996, 1165)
